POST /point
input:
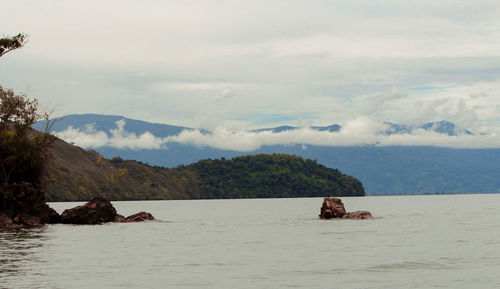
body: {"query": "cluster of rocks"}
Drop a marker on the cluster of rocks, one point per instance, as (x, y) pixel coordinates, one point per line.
(22, 212)
(334, 208)
(96, 211)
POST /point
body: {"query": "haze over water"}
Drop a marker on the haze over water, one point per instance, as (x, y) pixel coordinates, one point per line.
(413, 242)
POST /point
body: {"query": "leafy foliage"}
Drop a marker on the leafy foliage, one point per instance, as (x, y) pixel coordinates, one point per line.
(23, 152)
(7, 44)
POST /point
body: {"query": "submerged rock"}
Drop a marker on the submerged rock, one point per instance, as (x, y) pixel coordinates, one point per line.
(358, 215)
(334, 208)
(139, 217)
(119, 218)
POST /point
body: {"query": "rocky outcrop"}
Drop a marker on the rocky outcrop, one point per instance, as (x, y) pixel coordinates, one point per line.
(334, 208)
(98, 211)
(29, 218)
(5, 222)
(22, 206)
(46, 214)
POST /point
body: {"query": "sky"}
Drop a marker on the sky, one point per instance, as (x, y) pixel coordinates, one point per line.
(239, 65)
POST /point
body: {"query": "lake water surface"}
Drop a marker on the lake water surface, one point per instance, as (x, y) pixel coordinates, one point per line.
(413, 242)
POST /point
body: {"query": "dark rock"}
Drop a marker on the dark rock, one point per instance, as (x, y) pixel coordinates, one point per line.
(5, 222)
(139, 217)
(358, 215)
(29, 220)
(119, 218)
(46, 214)
(25, 206)
(332, 208)
(97, 211)
(34, 213)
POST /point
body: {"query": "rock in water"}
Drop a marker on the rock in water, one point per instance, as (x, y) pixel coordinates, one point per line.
(25, 208)
(332, 208)
(97, 211)
(5, 222)
(358, 215)
(139, 217)
(46, 214)
(119, 218)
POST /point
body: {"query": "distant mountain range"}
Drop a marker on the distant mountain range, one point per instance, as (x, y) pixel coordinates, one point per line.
(441, 127)
(381, 169)
(106, 123)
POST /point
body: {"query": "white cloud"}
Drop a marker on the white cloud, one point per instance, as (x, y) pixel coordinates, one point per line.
(119, 138)
(166, 87)
(360, 131)
(375, 103)
(354, 134)
(164, 32)
(224, 63)
(469, 105)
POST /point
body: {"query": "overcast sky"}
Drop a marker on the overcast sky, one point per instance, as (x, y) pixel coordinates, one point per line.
(249, 64)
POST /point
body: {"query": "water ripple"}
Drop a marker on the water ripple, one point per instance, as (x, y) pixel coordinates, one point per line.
(408, 265)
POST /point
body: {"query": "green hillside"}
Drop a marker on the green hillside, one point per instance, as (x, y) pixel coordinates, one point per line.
(270, 176)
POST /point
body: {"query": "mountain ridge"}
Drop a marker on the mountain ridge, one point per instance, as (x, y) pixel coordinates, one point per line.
(106, 123)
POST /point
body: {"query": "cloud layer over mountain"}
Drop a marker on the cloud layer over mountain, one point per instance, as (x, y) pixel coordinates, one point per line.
(116, 138)
(360, 131)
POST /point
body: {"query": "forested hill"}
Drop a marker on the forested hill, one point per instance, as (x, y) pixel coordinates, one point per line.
(75, 174)
(271, 176)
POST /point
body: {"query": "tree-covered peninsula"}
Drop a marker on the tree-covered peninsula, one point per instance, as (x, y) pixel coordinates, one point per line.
(270, 176)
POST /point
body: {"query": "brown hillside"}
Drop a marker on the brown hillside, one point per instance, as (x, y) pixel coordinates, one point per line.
(76, 174)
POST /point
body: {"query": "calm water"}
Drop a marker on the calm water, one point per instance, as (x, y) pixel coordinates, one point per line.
(413, 242)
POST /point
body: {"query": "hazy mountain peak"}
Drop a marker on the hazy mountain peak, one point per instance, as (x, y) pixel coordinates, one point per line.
(277, 129)
(107, 123)
(283, 128)
(445, 127)
(441, 127)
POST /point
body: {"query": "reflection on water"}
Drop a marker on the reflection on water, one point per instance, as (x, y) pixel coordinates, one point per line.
(19, 250)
